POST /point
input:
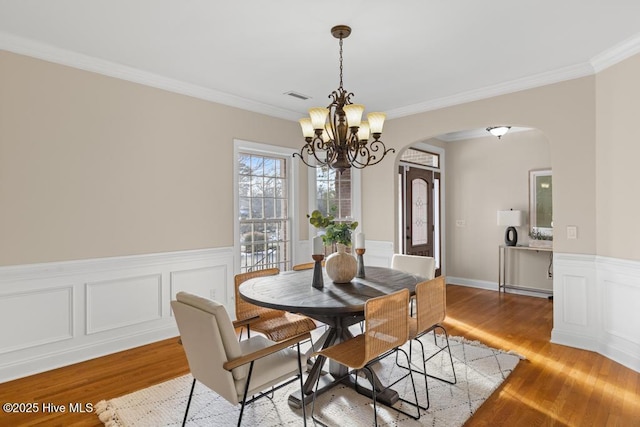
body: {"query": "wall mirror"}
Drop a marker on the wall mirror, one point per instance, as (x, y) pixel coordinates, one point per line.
(540, 202)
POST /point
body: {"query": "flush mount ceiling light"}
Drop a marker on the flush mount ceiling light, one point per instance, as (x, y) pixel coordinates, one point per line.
(336, 136)
(498, 131)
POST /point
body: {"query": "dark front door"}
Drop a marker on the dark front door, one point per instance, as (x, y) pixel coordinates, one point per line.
(421, 209)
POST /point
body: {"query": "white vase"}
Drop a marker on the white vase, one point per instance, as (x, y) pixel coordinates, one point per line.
(341, 266)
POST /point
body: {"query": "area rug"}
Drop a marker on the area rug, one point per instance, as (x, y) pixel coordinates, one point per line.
(479, 369)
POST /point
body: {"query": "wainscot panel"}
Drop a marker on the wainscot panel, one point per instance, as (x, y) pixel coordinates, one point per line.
(66, 312)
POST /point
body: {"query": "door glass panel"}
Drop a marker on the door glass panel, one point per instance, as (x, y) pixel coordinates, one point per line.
(419, 209)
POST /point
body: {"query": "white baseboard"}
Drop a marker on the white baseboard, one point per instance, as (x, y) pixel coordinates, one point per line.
(493, 286)
(56, 314)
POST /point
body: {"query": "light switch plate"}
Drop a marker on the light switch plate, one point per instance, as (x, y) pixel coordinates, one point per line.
(572, 232)
(460, 222)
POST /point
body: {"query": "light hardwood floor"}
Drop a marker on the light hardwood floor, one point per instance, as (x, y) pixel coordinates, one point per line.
(556, 385)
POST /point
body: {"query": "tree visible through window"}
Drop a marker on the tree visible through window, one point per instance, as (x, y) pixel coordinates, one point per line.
(333, 192)
(263, 207)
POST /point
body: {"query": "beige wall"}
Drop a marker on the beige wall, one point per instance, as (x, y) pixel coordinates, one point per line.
(93, 166)
(483, 176)
(618, 152)
(564, 113)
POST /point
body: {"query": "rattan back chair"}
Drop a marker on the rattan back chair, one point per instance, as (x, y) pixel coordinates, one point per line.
(431, 310)
(305, 266)
(277, 325)
(387, 328)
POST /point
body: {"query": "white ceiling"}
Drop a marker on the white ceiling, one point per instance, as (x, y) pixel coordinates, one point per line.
(402, 57)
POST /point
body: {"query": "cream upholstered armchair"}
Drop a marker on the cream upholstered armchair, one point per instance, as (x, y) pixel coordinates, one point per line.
(234, 370)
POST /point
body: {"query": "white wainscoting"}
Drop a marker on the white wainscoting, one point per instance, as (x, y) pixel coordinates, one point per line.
(596, 306)
(56, 314)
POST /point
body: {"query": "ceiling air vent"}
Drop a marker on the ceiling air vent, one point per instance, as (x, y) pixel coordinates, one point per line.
(297, 95)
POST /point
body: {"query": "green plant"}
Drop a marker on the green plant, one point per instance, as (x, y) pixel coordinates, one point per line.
(335, 232)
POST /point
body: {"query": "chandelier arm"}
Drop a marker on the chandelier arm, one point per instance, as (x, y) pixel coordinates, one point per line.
(376, 146)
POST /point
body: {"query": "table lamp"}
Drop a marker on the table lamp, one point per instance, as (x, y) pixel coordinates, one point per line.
(510, 219)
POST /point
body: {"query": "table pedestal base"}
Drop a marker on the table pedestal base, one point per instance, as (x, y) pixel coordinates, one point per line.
(387, 397)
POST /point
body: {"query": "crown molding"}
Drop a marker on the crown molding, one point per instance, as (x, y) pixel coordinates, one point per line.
(50, 53)
(56, 55)
(542, 79)
(616, 54)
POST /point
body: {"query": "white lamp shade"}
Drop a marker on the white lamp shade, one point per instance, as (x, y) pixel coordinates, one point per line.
(318, 117)
(510, 218)
(354, 114)
(307, 127)
(376, 122)
(363, 131)
(499, 130)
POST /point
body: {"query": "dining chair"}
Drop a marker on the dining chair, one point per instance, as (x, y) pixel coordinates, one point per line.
(232, 369)
(277, 325)
(424, 266)
(431, 310)
(305, 266)
(419, 265)
(387, 328)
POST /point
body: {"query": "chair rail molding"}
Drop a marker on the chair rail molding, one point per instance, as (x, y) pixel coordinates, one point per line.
(67, 312)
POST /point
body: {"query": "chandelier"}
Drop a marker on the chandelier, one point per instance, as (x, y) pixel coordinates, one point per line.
(337, 136)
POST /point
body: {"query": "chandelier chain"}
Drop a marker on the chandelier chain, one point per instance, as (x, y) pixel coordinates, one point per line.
(341, 62)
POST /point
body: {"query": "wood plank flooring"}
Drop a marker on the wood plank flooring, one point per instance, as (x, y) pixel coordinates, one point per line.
(555, 386)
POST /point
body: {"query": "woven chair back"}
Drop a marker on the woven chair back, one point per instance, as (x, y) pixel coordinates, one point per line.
(431, 303)
(246, 310)
(386, 320)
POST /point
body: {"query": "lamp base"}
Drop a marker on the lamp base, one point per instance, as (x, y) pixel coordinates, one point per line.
(511, 236)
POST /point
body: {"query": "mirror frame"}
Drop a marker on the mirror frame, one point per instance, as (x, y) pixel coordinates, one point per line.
(533, 176)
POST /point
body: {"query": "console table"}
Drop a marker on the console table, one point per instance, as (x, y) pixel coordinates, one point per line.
(503, 251)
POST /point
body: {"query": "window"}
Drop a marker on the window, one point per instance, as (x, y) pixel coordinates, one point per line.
(421, 157)
(333, 192)
(263, 204)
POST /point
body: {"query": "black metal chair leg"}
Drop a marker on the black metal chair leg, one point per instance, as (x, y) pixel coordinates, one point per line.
(246, 390)
(304, 410)
(193, 385)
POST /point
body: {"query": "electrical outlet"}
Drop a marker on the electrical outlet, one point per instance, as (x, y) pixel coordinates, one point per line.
(213, 294)
(572, 232)
(461, 223)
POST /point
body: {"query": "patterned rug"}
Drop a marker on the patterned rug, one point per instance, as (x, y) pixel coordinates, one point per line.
(479, 370)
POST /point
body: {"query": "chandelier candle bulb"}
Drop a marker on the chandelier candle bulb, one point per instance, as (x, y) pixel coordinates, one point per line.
(360, 241)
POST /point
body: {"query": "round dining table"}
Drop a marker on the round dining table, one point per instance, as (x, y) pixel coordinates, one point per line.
(336, 305)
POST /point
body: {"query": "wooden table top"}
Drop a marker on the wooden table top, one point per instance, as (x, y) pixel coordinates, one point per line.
(292, 291)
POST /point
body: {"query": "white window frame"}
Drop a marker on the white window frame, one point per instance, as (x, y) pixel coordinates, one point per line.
(356, 197)
(241, 146)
